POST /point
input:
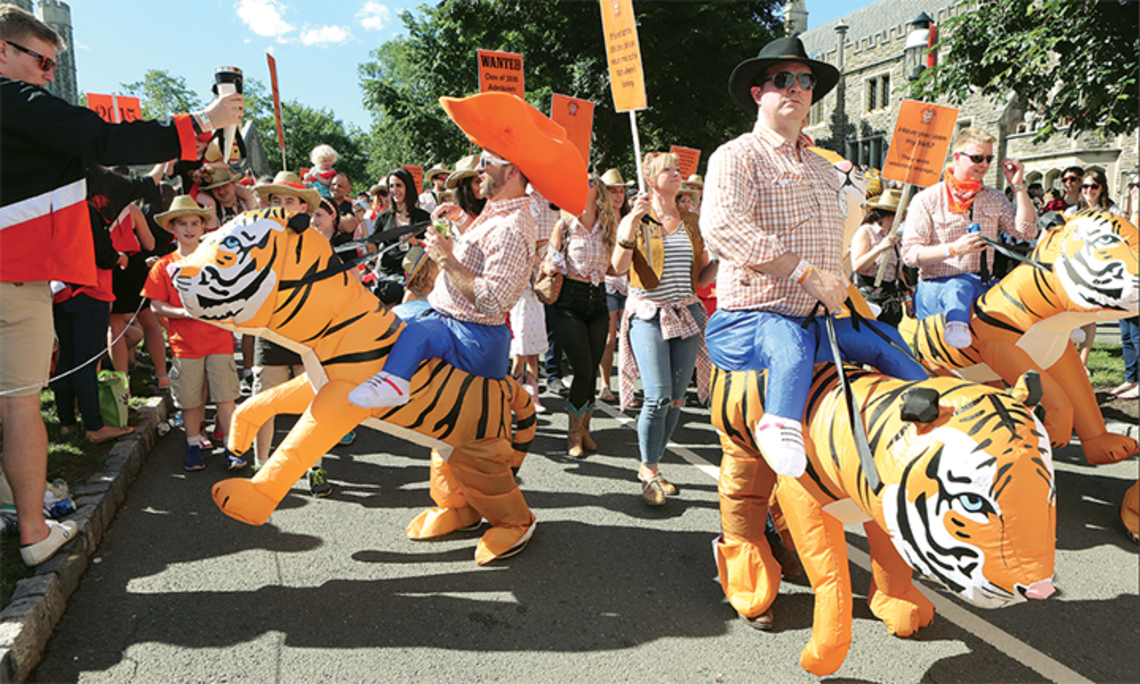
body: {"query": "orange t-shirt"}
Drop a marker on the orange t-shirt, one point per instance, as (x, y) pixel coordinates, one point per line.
(189, 338)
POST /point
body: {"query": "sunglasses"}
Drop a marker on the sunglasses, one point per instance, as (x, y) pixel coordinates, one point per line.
(1091, 186)
(484, 160)
(1071, 179)
(784, 80)
(978, 158)
(46, 63)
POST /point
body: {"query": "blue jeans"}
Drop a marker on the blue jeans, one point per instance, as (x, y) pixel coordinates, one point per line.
(482, 350)
(759, 340)
(81, 326)
(665, 367)
(952, 295)
(1130, 341)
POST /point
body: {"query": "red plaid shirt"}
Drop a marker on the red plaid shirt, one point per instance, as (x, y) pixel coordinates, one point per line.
(498, 248)
(930, 222)
(764, 197)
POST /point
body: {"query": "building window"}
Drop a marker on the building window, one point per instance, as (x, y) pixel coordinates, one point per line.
(866, 152)
(815, 114)
(877, 91)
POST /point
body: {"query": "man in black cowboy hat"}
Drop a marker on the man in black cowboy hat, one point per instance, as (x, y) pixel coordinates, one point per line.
(772, 214)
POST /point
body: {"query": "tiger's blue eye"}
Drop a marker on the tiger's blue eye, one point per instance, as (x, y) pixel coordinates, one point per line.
(972, 502)
(231, 242)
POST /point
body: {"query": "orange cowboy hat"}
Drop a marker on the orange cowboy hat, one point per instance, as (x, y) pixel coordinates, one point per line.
(511, 128)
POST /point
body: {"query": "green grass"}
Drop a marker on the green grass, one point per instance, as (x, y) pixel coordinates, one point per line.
(73, 459)
(1106, 365)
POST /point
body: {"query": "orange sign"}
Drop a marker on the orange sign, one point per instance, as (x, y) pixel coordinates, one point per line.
(417, 176)
(919, 143)
(276, 102)
(501, 72)
(577, 117)
(687, 160)
(623, 53)
(115, 108)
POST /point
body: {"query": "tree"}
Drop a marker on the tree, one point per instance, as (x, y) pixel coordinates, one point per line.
(161, 94)
(688, 48)
(305, 128)
(1074, 60)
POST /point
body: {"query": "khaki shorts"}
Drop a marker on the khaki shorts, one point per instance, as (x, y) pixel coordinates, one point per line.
(188, 380)
(26, 336)
(268, 377)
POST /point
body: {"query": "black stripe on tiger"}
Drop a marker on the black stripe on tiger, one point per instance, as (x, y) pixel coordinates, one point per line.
(449, 422)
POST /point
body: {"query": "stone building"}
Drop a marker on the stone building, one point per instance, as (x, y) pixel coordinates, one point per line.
(857, 118)
(57, 15)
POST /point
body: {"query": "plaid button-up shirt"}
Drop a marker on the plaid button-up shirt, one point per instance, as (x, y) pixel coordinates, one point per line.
(765, 197)
(498, 248)
(585, 252)
(929, 221)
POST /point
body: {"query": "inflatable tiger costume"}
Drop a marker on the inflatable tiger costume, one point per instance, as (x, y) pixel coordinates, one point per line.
(966, 497)
(263, 273)
(1023, 323)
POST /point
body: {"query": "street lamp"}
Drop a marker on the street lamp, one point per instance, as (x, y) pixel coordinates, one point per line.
(917, 42)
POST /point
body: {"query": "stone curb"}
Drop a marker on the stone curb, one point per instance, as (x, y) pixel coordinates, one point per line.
(38, 603)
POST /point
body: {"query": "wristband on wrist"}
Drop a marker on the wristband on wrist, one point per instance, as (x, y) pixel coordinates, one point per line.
(801, 272)
(627, 244)
(202, 121)
(950, 251)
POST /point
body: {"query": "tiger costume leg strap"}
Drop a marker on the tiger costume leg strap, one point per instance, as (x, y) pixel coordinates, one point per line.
(749, 573)
(893, 598)
(823, 553)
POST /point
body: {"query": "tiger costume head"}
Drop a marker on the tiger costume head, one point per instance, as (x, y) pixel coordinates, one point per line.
(974, 504)
(1095, 260)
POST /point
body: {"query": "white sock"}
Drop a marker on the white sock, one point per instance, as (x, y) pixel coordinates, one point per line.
(781, 443)
(196, 440)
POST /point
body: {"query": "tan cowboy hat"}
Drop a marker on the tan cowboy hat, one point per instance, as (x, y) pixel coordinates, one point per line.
(218, 178)
(524, 136)
(183, 205)
(414, 261)
(382, 185)
(289, 183)
(464, 168)
(888, 201)
(689, 190)
(446, 196)
(695, 181)
(437, 170)
(612, 179)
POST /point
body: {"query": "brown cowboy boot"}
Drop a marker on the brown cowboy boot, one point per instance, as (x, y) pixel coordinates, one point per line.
(588, 442)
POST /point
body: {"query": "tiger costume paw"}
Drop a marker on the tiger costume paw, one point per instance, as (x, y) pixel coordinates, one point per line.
(503, 542)
(821, 658)
(240, 499)
(438, 522)
(904, 615)
(1109, 447)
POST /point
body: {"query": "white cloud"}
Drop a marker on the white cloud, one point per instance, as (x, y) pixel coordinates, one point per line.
(325, 35)
(263, 17)
(374, 16)
(82, 46)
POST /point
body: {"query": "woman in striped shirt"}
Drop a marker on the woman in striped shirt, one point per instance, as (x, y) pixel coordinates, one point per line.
(579, 319)
(662, 326)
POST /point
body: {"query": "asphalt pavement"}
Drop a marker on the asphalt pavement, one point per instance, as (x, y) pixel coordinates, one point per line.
(608, 590)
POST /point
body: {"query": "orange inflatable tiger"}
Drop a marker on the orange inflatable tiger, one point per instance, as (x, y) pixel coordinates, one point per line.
(1023, 323)
(966, 497)
(262, 274)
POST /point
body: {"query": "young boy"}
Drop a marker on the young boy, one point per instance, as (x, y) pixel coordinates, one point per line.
(200, 350)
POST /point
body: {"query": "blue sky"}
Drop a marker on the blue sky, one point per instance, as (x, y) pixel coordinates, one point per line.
(317, 43)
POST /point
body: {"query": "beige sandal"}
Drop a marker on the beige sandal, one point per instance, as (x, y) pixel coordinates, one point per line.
(653, 492)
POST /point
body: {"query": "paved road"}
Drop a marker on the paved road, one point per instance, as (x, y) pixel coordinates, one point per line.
(609, 590)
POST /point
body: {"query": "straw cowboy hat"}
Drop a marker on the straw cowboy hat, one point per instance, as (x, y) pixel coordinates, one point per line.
(289, 183)
(695, 181)
(689, 190)
(613, 179)
(464, 168)
(748, 73)
(183, 205)
(218, 178)
(437, 170)
(414, 261)
(888, 201)
(382, 185)
(513, 129)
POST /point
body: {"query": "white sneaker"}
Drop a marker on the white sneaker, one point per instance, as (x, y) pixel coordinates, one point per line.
(59, 533)
(957, 335)
(382, 390)
(781, 441)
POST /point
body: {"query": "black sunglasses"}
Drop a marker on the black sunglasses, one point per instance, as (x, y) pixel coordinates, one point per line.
(1092, 186)
(784, 80)
(46, 63)
(1071, 179)
(979, 158)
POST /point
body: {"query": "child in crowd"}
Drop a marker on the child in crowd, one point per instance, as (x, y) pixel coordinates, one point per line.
(200, 350)
(322, 173)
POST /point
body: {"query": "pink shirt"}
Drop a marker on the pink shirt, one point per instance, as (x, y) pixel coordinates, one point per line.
(764, 197)
(498, 248)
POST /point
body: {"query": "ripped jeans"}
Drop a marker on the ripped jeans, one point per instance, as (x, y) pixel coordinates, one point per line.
(665, 367)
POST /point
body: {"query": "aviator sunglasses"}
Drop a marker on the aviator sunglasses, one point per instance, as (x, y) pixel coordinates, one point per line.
(46, 63)
(979, 158)
(784, 80)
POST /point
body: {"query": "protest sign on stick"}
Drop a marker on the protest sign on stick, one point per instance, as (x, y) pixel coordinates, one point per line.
(277, 108)
(577, 117)
(417, 177)
(500, 72)
(627, 78)
(688, 158)
(115, 108)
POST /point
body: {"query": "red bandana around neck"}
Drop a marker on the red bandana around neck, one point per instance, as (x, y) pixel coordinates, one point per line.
(961, 193)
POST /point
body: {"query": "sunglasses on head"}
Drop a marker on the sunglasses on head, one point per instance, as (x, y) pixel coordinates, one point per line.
(46, 63)
(784, 80)
(1091, 186)
(978, 158)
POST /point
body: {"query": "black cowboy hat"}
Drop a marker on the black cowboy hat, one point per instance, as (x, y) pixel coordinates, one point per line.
(747, 73)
